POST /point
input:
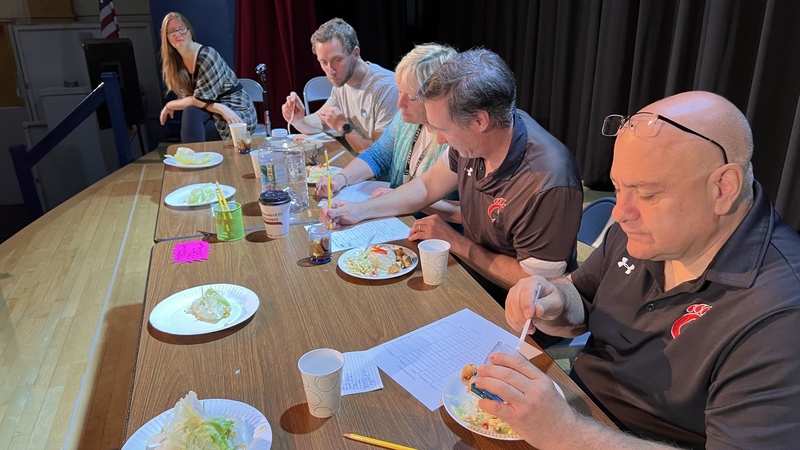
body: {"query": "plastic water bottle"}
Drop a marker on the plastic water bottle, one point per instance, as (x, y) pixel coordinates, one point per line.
(283, 168)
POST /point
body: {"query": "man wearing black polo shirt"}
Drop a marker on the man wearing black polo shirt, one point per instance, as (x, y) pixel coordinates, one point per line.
(693, 300)
(521, 195)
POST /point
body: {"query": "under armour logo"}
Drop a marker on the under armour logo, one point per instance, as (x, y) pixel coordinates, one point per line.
(624, 262)
(469, 172)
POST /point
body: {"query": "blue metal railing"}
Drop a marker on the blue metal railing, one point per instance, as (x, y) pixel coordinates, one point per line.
(108, 91)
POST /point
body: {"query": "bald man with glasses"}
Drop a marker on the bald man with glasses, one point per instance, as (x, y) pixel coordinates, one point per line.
(693, 300)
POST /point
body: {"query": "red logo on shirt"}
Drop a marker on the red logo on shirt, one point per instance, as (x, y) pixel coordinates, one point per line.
(693, 312)
(494, 209)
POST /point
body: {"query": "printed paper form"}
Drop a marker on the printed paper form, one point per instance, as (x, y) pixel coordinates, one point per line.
(385, 230)
(421, 360)
(360, 374)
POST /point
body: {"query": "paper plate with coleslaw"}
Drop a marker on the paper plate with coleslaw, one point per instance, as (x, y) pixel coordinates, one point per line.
(314, 173)
(463, 408)
(379, 262)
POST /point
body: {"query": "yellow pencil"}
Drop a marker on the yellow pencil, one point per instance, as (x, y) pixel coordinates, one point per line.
(223, 206)
(378, 442)
(328, 171)
(223, 202)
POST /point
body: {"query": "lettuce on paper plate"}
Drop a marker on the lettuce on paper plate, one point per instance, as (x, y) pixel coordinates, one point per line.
(185, 155)
(206, 193)
(189, 427)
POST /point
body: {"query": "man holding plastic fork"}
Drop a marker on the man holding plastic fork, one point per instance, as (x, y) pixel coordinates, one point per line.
(364, 96)
(693, 300)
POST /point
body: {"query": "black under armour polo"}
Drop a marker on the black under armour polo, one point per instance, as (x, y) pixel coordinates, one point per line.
(714, 362)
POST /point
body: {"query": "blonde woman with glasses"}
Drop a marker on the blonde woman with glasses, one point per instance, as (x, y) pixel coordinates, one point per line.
(209, 94)
(408, 147)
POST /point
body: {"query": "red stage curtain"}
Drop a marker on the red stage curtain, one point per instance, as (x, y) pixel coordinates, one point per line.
(276, 33)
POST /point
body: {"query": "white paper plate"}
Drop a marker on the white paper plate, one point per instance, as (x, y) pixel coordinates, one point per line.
(455, 394)
(334, 171)
(302, 137)
(352, 251)
(170, 316)
(180, 196)
(262, 438)
(319, 138)
(216, 158)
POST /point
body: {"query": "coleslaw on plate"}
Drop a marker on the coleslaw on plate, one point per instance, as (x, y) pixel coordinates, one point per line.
(378, 260)
(480, 418)
(314, 173)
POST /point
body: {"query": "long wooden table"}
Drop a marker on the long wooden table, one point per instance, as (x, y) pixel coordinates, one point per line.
(302, 307)
(236, 170)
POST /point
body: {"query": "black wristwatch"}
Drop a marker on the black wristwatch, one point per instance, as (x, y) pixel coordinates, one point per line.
(346, 128)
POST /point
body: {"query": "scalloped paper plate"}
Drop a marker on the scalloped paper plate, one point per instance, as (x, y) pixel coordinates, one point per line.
(352, 251)
(180, 197)
(312, 180)
(216, 158)
(170, 316)
(454, 394)
(262, 438)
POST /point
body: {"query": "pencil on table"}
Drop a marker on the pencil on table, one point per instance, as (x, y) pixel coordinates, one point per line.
(377, 442)
(328, 171)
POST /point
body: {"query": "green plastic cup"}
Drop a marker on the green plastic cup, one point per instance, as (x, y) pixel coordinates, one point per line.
(229, 223)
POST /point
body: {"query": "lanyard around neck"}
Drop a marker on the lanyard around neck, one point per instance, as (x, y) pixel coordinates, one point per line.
(411, 151)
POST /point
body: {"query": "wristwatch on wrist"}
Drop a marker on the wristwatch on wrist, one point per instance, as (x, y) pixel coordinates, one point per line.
(346, 128)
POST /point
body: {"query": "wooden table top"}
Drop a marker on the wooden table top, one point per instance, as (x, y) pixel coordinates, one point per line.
(236, 170)
(303, 307)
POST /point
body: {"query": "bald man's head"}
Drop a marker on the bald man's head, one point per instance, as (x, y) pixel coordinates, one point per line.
(677, 198)
(716, 118)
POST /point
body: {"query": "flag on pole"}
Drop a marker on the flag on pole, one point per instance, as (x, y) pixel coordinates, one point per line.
(108, 20)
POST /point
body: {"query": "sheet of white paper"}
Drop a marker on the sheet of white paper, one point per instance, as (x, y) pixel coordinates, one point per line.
(385, 230)
(360, 374)
(421, 360)
(358, 192)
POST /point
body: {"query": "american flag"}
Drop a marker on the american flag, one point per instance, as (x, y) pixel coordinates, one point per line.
(108, 20)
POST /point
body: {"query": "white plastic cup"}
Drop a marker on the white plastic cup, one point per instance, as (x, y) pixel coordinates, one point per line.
(256, 165)
(275, 212)
(321, 370)
(433, 254)
(235, 127)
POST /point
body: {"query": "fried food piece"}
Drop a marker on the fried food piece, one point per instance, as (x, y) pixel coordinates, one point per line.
(405, 260)
(468, 373)
(394, 268)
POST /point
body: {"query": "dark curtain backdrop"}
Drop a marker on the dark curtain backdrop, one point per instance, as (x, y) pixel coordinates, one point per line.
(276, 33)
(577, 61)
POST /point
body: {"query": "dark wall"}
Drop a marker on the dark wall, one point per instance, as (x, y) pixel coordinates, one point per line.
(389, 29)
(214, 22)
